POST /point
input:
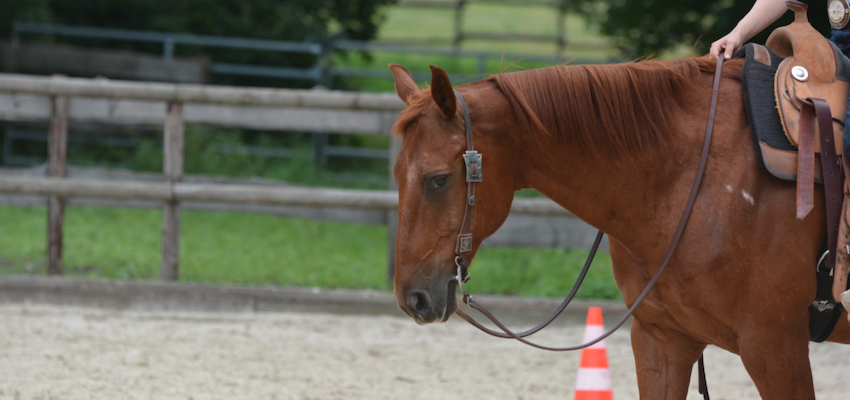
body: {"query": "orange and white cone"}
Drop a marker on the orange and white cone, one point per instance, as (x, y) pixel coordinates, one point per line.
(594, 377)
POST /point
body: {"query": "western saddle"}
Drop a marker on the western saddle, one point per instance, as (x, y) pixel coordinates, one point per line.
(812, 102)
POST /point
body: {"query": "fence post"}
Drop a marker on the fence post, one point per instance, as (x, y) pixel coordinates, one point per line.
(560, 29)
(173, 172)
(325, 64)
(482, 65)
(459, 22)
(168, 48)
(319, 141)
(57, 146)
(16, 34)
(392, 215)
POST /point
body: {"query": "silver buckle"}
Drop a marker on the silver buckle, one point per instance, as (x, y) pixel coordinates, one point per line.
(821, 262)
(473, 165)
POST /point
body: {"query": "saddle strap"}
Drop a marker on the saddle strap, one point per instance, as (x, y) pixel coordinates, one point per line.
(806, 161)
(832, 176)
(830, 166)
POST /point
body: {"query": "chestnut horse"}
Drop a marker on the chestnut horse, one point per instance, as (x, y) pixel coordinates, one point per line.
(618, 146)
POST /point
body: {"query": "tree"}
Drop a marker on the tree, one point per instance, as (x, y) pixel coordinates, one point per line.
(643, 28)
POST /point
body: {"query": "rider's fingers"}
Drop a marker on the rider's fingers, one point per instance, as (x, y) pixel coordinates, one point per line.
(715, 49)
(731, 46)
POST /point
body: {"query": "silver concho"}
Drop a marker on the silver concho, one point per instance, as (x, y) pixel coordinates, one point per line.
(465, 244)
(473, 165)
(839, 13)
(799, 73)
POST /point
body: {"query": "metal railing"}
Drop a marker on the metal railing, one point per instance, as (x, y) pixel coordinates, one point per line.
(321, 72)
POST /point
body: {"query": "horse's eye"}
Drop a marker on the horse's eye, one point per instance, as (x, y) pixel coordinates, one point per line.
(438, 182)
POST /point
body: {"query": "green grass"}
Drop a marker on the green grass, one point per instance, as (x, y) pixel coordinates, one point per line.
(435, 27)
(229, 248)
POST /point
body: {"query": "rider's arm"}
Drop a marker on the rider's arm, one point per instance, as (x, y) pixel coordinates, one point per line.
(763, 13)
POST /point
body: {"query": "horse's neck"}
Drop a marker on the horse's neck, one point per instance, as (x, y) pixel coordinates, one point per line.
(622, 196)
(611, 200)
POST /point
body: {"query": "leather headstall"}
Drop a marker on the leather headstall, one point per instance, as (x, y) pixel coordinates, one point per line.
(472, 160)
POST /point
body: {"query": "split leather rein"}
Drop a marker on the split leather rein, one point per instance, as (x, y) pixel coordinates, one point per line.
(473, 161)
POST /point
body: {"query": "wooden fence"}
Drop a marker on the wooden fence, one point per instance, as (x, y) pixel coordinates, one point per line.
(65, 101)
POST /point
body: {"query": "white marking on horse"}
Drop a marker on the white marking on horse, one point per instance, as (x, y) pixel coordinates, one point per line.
(729, 188)
(748, 197)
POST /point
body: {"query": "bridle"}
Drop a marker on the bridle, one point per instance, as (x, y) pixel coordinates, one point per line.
(473, 174)
(472, 159)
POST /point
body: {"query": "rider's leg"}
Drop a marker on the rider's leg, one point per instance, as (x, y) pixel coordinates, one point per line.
(841, 37)
(842, 255)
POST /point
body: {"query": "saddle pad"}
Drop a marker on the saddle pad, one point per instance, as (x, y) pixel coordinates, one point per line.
(757, 81)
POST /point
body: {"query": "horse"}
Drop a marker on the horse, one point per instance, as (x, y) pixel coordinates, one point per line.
(618, 147)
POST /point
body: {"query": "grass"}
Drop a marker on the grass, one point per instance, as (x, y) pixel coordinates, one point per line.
(229, 248)
(435, 27)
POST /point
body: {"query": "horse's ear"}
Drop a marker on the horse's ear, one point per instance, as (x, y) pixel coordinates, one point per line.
(442, 92)
(405, 86)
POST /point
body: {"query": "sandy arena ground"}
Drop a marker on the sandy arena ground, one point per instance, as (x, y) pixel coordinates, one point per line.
(50, 352)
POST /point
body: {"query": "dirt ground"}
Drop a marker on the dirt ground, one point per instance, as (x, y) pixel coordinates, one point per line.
(51, 352)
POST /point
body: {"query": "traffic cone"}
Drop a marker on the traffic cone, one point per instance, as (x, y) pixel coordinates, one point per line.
(594, 377)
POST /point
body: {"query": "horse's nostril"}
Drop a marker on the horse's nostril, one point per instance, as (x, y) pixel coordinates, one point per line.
(418, 302)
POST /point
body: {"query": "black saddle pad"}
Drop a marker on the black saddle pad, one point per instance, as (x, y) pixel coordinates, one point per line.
(757, 82)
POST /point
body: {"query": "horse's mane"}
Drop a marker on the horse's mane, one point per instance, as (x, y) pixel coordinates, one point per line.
(615, 108)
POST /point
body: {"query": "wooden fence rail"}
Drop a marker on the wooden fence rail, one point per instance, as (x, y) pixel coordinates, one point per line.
(64, 101)
(233, 193)
(201, 94)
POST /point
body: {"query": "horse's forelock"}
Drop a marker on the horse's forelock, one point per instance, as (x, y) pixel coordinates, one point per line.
(418, 104)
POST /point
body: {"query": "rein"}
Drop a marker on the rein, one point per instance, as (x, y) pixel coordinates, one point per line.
(472, 160)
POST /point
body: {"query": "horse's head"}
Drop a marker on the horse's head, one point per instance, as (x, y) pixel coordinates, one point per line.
(433, 189)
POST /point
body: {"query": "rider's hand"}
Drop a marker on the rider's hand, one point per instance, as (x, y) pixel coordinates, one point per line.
(728, 44)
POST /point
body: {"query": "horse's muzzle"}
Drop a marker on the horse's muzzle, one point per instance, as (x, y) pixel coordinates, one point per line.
(427, 306)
